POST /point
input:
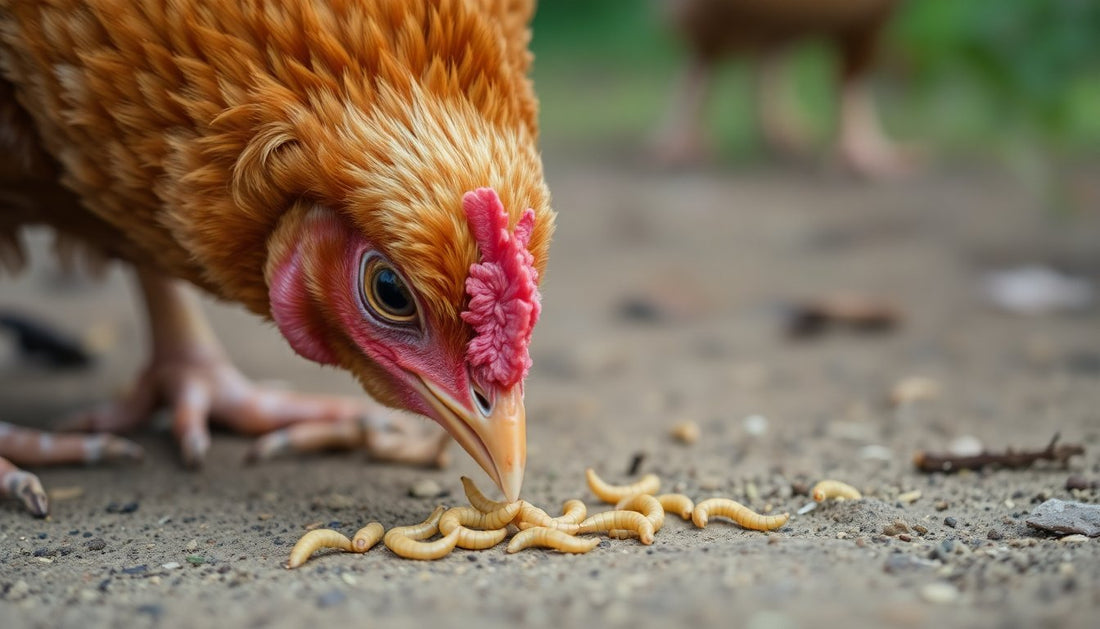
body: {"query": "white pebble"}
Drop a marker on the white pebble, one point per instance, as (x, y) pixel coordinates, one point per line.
(808, 507)
(171, 565)
(876, 452)
(755, 425)
(965, 445)
(1073, 539)
(425, 488)
(939, 593)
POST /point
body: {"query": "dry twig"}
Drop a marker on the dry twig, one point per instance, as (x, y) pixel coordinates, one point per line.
(1009, 459)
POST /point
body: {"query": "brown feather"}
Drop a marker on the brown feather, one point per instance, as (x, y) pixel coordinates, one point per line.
(185, 131)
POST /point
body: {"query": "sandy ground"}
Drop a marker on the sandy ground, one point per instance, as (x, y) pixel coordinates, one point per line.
(718, 253)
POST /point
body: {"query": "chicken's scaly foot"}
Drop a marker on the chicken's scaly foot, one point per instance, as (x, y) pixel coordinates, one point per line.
(34, 447)
(192, 374)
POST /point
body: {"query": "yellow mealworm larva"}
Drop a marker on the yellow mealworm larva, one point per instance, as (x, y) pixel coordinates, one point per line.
(621, 534)
(478, 499)
(648, 484)
(739, 513)
(531, 516)
(678, 504)
(646, 505)
(572, 512)
(366, 537)
(479, 540)
(314, 541)
(551, 538)
(410, 548)
(474, 519)
(425, 529)
(834, 489)
(608, 520)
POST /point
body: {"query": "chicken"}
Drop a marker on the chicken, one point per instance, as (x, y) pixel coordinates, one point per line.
(363, 173)
(717, 28)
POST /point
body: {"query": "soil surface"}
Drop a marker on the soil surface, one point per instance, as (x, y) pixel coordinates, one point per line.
(665, 301)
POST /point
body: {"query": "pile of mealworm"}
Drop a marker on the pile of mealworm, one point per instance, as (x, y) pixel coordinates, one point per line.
(639, 513)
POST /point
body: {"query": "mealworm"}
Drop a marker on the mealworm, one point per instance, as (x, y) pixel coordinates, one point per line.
(425, 529)
(478, 499)
(621, 534)
(411, 548)
(834, 489)
(572, 511)
(531, 516)
(646, 505)
(619, 520)
(366, 537)
(551, 538)
(474, 519)
(460, 518)
(677, 503)
(648, 484)
(314, 541)
(739, 513)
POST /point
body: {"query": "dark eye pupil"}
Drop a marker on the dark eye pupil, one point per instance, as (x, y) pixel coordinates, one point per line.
(391, 293)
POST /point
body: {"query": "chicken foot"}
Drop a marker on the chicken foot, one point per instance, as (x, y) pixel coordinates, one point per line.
(191, 372)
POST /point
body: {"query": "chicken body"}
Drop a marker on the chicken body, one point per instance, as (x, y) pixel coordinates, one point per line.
(327, 164)
(717, 29)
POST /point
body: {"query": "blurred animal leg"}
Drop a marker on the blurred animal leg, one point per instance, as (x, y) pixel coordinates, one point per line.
(34, 447)
(779, 123)
(861, 144)
(191, 372)
(683, 139)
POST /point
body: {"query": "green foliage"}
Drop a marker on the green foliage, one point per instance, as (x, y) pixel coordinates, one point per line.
(962, 73)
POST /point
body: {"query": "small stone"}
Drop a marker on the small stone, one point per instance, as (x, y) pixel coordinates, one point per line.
(425, 488)
(995, 535)
(685, 431)
(905, 537)
(806, 508)
(896, 528)
(1060, 516)
(171, 565)
(1076, 481)
(96, 543)
(755, 425)
(950, 521)
(914, 389)
(192, 545)
(195, 560)
(1074, 539)
(135, 569)
(941, 505)
(965, 445)
(939, 593)
(920, 530)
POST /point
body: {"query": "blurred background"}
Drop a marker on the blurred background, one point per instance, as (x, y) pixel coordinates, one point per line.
(1016, 82)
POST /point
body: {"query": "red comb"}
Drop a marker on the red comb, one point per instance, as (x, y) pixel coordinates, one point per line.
(504, 296)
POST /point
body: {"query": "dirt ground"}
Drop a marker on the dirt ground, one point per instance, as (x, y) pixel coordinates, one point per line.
(664, 302)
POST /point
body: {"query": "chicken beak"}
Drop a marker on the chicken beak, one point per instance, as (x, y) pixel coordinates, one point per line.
(497, 440)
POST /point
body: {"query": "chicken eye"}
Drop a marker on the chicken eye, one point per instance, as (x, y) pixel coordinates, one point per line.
(387, 295)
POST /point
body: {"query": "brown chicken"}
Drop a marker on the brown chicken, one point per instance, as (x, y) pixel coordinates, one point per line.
(715, 29)
(362, 172)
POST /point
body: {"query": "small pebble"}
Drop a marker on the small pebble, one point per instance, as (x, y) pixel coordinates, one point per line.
(425, 488)
(806, 508)
(939, 593)
(171, 565)
(896, 528)
(1074, 539)
(95, 544)
(914, 389)
(941, 505)
(755, 425)
(950, 521)
(1076, 481)
(994, 534)
(905, 537)
(965, 445)
(920, 530)
(685, 431)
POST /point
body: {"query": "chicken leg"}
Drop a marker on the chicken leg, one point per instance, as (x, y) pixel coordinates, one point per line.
(191, 372)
